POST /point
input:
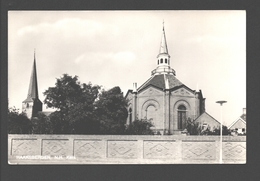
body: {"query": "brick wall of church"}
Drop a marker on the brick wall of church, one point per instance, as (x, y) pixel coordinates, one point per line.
(165, 104)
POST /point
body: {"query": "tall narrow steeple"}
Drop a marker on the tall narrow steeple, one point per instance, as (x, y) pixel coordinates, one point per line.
(163, 58)
(33, 87)
(32, 105)
(163, 47)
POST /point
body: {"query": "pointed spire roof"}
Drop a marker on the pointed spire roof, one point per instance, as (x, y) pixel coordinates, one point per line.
(163, 58)
(33, 86)
(163, 46)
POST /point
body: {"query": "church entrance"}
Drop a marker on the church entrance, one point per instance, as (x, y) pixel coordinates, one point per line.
(181, 117)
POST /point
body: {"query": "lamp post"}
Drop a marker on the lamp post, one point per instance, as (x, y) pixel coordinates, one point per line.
(220, 142)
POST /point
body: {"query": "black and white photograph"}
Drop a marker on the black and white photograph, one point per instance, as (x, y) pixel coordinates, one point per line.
(127, 87)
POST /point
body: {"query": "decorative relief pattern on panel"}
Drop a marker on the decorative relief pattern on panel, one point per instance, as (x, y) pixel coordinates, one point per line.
(234, 150)
(55, 147)
(199, 150)
(25, 147)
(89, 148)
(122, 149)
(159, 149)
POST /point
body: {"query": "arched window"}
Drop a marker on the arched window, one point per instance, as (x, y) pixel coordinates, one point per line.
(166, 60)
(181, 117)
(27, 105)
(130, 115)
(161, 60)
(151, 114)
(158, 61)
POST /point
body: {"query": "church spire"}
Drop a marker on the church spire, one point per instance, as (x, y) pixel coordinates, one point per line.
(163, 47)
(33, 87)
(32, 105)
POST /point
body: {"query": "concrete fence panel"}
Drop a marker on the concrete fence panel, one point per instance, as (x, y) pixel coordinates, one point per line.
(122, 149)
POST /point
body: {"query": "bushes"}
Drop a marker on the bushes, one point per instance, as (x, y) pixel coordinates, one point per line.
(139, 127)
(18, 123)
(41, 124)
(196, 129)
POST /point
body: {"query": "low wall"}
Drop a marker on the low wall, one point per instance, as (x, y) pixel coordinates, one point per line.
(122, 149)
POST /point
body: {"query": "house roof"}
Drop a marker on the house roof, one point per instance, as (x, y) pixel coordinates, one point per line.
(243, 116)
(238, 119)
(208, 115)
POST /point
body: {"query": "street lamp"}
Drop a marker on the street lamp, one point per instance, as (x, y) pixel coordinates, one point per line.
(220, 147)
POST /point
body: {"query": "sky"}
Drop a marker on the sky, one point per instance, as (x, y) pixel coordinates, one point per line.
(118, 48)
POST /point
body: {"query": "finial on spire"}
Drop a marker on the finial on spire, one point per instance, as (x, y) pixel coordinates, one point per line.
(163, 24)
(34, 53)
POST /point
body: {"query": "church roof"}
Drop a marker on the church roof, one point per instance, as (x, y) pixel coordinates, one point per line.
(173, 81)
(159, 81)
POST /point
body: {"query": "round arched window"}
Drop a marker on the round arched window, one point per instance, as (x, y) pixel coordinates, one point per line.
(161, 60)
(151, 114)
(181, 117)
(166, 60)
(130, 115)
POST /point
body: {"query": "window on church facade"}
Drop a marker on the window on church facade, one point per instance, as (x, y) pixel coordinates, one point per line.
(151, 114)
(158, 61)
(130, 115)
(166, 60)
(161, 60)
(181, 117)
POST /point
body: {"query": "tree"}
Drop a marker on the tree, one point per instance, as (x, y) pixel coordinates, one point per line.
(41, 124)
(139, 127)
(60, 125)
(111, 111)
(74, 103)
(18, 123)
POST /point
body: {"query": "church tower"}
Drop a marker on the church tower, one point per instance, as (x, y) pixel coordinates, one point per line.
(32, 104)
(163, 59)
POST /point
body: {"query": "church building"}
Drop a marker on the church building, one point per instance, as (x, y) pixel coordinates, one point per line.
(163, 98)
(32, 104)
